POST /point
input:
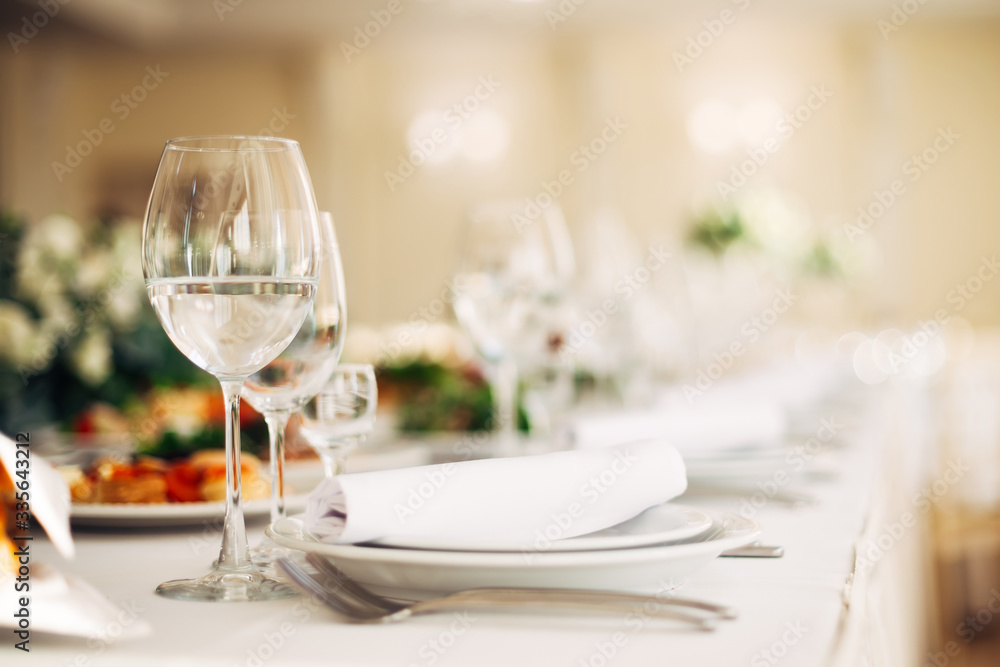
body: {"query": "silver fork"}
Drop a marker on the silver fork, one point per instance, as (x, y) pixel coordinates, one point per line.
(337, 591)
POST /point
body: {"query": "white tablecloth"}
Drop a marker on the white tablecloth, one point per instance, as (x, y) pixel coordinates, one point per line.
(799, 610)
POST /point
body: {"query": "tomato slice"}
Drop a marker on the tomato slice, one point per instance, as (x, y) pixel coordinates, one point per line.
(182, 483)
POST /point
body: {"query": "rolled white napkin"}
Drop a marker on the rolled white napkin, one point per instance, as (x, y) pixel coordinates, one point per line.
(563, 494)
(694, 430)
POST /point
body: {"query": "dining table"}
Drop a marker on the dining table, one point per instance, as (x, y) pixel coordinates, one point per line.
(850, 589)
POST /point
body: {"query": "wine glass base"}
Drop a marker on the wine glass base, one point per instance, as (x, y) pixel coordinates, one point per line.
(265, 558)
(245, 586)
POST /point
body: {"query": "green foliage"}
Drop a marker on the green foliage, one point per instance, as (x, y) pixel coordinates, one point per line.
(433, 397)
(716, 231)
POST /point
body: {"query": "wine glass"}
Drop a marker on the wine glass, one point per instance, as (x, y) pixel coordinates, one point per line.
(231, 256)
(342, 415)
(300, 371)
(513, 274)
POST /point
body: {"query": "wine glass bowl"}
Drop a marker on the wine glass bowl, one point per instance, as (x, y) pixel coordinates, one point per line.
(298, 373)
(342, 415)
(513, 271)
(231, 257)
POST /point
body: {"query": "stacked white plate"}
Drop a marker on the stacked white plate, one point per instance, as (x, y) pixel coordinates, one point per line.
(652, 552)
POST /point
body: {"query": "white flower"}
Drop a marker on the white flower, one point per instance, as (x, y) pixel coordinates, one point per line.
(59, 235)
(124, 308)
(35, 275)
(17, 333)
(91, 358)
(780, 224)
(58, 314)
(94, 271)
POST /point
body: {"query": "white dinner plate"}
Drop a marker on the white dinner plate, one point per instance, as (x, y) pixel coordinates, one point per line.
(409, 572)
(163, 515)
(659, 524)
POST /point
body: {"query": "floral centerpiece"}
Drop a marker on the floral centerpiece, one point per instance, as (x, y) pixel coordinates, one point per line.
(80, 346)
(764, 243)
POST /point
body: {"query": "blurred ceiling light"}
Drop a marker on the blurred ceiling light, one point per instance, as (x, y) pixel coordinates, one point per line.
(886, 351)
(432, 138)
(758, 121)
(485, 136)
(865, 366)
(713, 127)
(849, 342)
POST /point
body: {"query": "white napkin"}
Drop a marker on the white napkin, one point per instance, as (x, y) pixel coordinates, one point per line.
(67, 605)
(696, 430)
(562, 495)
(48, 494)
(59, 603)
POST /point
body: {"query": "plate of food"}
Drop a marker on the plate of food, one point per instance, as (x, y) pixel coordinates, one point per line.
(112, 491)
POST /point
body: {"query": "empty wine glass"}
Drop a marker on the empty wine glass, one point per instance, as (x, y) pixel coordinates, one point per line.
(290, 381)
(231, 256)
(514, 271)
(342, 415)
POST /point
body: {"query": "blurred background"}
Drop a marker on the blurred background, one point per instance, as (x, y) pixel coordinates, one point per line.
(792, 175)
(359, 97)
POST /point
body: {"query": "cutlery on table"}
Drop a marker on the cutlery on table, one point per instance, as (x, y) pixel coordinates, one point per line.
(754, 550)
(338, 592)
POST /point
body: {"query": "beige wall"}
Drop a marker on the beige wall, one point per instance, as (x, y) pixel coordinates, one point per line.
(556, 91)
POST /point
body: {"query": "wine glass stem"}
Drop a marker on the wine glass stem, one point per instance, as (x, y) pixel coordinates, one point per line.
(505, 406)
(333, 464)
(235, 553)
(277, 422)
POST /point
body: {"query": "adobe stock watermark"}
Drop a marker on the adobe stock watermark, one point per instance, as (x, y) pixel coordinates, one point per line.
(435, 477)
(452, 121)
(905, 350)
(274, 640)
(875, 549)
(211, 530)
(419, 320)
(901, 13)
(779, 648)
(100, 641)
(912, 169)
(795, 461)
(962, 293)
(121, 108)
(967, 630)
(751, 330)
(434, 648)
(784, 129)
(473, 443)
(31, 25)
(58, 339)
(223, 7)
(217, 179)
(364, 34)
(579, 161)
(638, 617)
(563, 11)
(590, 492)
(699, 43)
(629, 284)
